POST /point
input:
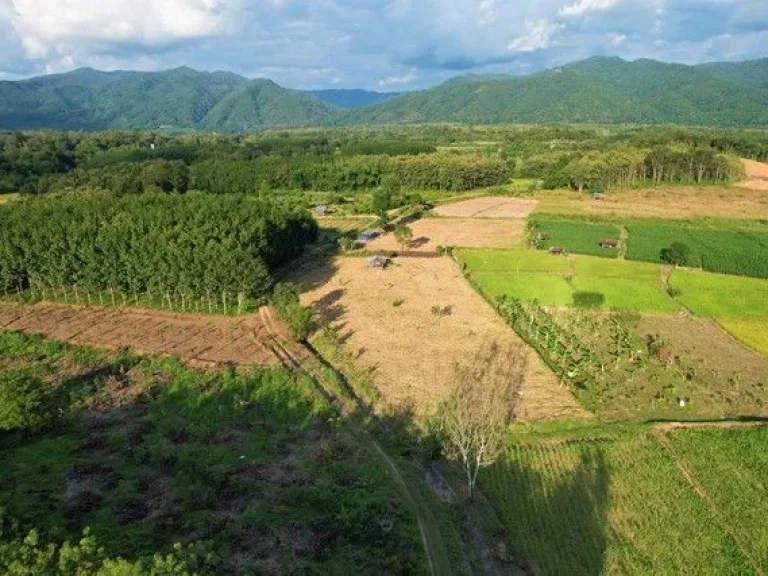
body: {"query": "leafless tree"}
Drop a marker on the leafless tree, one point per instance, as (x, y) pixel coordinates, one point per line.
(476, 416)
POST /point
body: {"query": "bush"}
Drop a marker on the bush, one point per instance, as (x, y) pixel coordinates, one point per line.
(24, 401)
(677, 254)
(588, 299)
(298, 318)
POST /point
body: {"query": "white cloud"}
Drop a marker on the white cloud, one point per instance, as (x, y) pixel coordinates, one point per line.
(581, 7)
(617, 39)
(50, 28)
(398, 80)
(538, 37)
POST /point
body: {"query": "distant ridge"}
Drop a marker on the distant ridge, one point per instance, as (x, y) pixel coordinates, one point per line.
(597, 90)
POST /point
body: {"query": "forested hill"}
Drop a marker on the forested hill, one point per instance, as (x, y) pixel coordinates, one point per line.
(598, 90)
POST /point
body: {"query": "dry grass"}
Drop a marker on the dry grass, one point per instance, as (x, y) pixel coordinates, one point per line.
(5, 198)
(407, 349)
(200, 341)
(489, 207)
(663, 202)
(757, 175)
(429, 233)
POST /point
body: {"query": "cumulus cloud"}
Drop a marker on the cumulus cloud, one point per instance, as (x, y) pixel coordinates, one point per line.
(538, 37)
(406, 78)
(63, 28)
(583, 6)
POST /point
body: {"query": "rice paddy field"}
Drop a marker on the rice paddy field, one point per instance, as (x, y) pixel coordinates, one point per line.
(751, 331)
(577, 236)
(620, 503)
(721, 296)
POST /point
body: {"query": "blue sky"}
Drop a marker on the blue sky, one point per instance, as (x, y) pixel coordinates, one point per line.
(376, 44)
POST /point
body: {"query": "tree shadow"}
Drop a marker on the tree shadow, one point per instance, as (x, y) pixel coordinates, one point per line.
(329, 307)
(419, 242)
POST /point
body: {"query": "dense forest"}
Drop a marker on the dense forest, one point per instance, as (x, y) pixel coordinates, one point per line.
(197, 246)
(442, 157)
(598, 90)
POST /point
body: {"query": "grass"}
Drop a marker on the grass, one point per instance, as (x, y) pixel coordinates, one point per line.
(553, 280)
(751, 331)
(9, 197)
(146, 453)
(721, 296)
(732, 466)
(576, 236)
(615, 502)
(723, 251)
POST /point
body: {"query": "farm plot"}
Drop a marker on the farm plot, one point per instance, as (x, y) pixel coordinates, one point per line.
(489, 207)
(757, 175)
(387, 321)
(555, 280)
(721, 251)
(752, 331)
(574, 236)
(617, 505)
(201, 341)
(679, 202)
(731, 465)
(429, 233)
(721, 296)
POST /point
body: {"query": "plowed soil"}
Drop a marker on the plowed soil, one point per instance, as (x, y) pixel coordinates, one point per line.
(489, 207)
(757, 175)
(429, 233)
(200, 341)
(407, 349)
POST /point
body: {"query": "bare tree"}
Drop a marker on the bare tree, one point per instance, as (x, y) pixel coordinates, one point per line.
(476, 416)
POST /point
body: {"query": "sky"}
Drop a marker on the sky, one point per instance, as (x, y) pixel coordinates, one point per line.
(385, 45)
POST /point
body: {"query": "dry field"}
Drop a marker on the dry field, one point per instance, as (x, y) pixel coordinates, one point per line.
(489, 207)
(409, 350)
(757, 175)
(663, 202)
(200, 341)
(429, 233)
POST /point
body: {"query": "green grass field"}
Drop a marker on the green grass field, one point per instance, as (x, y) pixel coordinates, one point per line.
(535, 275)
(147, 453)
(618, 504)
(722, 251)
(721, 296)
(577, 236)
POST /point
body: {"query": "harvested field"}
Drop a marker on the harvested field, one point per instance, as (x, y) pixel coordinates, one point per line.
(429, 233)
(674, 202)
(489, 207)
(757, 175)
(200, 341)
(386, 320)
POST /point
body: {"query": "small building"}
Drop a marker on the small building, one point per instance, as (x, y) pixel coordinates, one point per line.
(609, 243)
(543, 236)
(367, 236)
(378, 261)
(557, 251)
(321, 209)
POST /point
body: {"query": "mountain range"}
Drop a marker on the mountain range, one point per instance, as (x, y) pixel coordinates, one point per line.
(597, 90)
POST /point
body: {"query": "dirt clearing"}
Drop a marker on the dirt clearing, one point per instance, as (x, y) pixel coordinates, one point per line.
(489, 207)
(201, 341)
(387, 322)
(429, 233)
(662, 202)
(757, 175)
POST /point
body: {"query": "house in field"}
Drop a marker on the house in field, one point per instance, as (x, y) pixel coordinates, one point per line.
(609, 243)
(543, 236)
(367, 236)
(380, 262)
(557, 251)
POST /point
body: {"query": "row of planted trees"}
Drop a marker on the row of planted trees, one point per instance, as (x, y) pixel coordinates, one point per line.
(193, 251)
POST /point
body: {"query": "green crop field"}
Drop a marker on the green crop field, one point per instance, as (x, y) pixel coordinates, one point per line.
(732, 467)
(751, 331)
(553, 280)
(619, 505)
(577, 236)
(147, 453)
(722, 251)
(721, 296)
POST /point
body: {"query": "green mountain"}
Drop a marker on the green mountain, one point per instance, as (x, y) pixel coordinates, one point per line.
(598, 90)
(261, 104)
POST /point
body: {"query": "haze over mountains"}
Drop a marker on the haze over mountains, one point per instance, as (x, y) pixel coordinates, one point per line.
(598, 90)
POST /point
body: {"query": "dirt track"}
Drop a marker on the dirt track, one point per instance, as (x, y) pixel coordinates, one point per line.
(200, 341)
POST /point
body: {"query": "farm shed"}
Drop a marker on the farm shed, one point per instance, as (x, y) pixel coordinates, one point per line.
(378, 261)
(609, 243)
(557, 251)
(367, 236)
(321, 209)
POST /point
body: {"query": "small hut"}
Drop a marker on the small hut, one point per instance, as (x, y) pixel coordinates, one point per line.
(379, 262)
(367, 236)
(557, 251)
(321, 209)
(609, 243)
(543, 236)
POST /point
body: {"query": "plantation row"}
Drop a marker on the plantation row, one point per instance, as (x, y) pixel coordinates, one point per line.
(196, 245)
(725, 251)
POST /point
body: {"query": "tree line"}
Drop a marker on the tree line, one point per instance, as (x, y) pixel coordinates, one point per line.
(195, 245)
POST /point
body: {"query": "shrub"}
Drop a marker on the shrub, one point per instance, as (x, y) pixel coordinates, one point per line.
(298, 318)
(677, 254)
(588, 299)
(24, 401)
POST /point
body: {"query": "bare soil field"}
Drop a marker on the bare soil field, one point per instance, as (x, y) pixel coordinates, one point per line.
(663, 202)
(429, 233)
(489, 207)
(757, 175)
(386, 320)
(200, 341)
